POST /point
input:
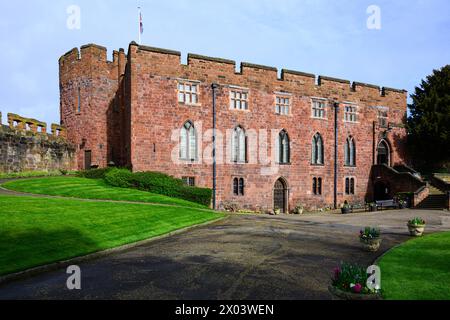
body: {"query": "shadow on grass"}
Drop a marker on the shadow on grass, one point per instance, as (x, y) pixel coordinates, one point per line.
(22, 250)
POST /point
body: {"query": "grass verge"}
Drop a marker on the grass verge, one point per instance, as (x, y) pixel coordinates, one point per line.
(418, 269)
(84, 188)
(38, 231)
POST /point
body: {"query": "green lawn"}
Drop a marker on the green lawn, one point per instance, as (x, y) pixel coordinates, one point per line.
(418, 269)
(37, 231)
(90, 189)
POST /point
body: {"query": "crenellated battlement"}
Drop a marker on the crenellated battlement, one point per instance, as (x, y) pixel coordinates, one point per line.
(92, 54)
(258, 73)
(28, 125)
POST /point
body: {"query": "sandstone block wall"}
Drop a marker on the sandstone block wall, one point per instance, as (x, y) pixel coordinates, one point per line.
(25, 145)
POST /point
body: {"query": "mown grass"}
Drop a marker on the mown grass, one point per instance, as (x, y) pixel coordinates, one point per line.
(30, 174)
(91, 189)
(37, 231)
(418, 270)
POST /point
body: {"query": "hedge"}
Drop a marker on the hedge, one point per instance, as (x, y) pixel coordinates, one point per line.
(94, 173)
(159, 183)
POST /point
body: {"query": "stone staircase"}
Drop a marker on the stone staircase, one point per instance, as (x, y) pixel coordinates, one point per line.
(435, 201)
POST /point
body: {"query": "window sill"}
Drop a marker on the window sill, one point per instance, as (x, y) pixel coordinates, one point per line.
(317, 118)
(189, 161)
(189, 104)
(317, 165)
(349, 166)
(240, 110)
(283, 115)
(285, 164)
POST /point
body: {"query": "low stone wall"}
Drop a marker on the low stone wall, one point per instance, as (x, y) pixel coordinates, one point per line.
(448, 200)
(25, 148)
(420, 195)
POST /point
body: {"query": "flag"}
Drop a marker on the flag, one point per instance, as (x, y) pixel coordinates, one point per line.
(141, 24)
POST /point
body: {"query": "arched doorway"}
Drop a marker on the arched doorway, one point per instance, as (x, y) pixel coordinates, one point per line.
(381, 191)
(383, 153)
(280, 196)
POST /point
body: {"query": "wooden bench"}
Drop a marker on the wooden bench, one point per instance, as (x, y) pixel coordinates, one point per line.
(386, 204)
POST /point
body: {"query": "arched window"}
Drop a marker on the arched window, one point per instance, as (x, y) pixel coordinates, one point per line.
(241, 186)
(239, 145)
(317, 186)
(349, 186)
(284, 152)
(188, 142)
(383, 153)
(238, 186)
(350, 152)
(317, 149)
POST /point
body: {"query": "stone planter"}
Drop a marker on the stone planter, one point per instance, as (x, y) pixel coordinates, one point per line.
(345, 210)
(371, 245)
(416, 230)
(344, 295)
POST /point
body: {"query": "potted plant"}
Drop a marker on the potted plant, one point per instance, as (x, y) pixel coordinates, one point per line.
(345, 208)
(299, 209)
(372, 206)
(416, 227)
(277, 212)
(370, 238)
(349, 282)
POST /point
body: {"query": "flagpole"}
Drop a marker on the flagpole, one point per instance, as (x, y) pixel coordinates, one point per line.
(139, 24)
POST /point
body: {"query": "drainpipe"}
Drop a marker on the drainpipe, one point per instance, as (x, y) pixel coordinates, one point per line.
(336, 132)
(214, 86)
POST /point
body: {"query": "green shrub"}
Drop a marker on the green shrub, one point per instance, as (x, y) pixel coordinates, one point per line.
(159, 183)
(119, 178)
(197, 195)
(93, 173)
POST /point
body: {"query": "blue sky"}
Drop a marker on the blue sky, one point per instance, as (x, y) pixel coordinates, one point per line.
(319, 36)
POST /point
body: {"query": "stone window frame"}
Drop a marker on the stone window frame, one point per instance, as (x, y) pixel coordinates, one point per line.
(183, 92)
(239, 94)
(383, 117)
(239, 145)
(351, 112)
(317, 188)
(317, 150)
(238, 186)
(190, 143)
(350, 152)
(349, 188)
(189, 180)
(283, 101)
(283, 156)
(323, 114)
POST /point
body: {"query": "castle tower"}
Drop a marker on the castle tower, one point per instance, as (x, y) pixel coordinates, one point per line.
(91, 104)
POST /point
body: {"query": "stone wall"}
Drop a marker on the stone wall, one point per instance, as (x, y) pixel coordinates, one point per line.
(25, 145)
(130, 104)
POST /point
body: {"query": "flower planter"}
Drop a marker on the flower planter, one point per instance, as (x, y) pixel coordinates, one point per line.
(344, 295)
(371, 245)
(345, 210)
(416, 230)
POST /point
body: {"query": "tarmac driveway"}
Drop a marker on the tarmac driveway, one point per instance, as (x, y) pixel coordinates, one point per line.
(242, 257)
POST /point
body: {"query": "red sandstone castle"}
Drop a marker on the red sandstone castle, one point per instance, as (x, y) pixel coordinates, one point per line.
(279, 140)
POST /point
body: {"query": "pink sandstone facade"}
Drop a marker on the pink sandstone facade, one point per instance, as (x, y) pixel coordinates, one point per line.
(128, 111)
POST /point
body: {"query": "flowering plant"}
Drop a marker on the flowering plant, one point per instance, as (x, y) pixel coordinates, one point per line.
(417, 222)
(369, 233)
(351, 278)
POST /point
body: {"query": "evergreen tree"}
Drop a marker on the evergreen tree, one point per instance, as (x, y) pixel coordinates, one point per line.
(429, 122)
